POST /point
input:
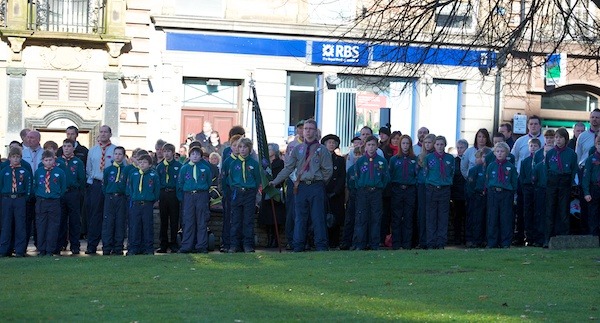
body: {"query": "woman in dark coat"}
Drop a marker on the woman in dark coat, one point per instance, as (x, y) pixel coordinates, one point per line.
(336, 189)
(265, 216)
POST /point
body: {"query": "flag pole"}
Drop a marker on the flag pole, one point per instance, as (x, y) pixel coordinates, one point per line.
(263, 156)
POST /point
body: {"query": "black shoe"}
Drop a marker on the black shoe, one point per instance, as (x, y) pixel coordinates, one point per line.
(184, 251)
(288, 247)
(161, 250)
(89, 252)
(232, 250)
(75, 252)
(249, 250)
(344, 247)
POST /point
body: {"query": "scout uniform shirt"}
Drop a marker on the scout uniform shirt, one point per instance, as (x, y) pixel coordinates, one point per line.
(244, 172)
(371, 171)
(403, 170)
(319, 168)
(591, 173)
(74, 171)
(115, 179)
(526, 171)
(476, 180)
(49, 183)
(502, 176)
(561, 162)
(194, 177)
(143, 186)
(439, 169)
(24, 164)
(15, 181)
(168, 173)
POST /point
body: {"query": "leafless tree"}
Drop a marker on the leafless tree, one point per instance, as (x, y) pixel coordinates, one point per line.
(519, 33)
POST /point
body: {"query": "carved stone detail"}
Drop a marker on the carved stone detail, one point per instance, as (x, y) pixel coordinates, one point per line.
(65, 58)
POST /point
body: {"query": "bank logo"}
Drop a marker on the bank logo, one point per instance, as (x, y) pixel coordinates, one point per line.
(347, 54)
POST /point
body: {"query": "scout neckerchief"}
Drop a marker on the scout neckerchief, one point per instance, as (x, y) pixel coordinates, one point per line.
(14, 177)
(68, 158)
(118, 166)
(166, 163)
(47, 179)
(243, 160)
(558, 160)
(194, 174)
(141, 180)
(440, 158)
(103, 157)
(307, 154)
(501, 174)
(371, 165)
(404, 166)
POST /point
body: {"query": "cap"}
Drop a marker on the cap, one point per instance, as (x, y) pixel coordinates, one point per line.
(331, 136)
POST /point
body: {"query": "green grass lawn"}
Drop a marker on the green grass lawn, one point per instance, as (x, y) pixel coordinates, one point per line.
(436, 285)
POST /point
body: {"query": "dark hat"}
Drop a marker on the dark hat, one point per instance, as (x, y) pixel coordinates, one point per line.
(300, 123)
(330, 136)
(385, 130)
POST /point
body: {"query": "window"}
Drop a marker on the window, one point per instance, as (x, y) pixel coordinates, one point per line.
(360, 100)
(334, 12)
(570, 101)
(214, 93)
(456, 15)
(303, 96)
(581, 22)
(72, 16)
(48, 89)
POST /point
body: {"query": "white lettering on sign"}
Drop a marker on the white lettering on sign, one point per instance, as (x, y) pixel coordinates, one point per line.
(340, 53)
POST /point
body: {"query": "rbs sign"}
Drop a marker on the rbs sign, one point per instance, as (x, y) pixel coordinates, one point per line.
(336, 53)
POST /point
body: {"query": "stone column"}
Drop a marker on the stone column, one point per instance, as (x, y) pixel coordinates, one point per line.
(111, 102)
(15, 102)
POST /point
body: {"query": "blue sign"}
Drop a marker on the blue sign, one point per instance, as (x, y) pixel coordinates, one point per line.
(338, 53)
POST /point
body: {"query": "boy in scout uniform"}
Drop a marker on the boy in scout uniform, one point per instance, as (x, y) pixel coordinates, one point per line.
(168, 170)
(15, 187)
(114, 187)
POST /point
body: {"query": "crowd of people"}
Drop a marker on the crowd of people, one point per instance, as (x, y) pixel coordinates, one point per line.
(388, 191)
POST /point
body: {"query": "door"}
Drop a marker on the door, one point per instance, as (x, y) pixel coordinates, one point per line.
(192, 121)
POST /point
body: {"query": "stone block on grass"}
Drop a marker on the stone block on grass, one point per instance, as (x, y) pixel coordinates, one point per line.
(573, 242)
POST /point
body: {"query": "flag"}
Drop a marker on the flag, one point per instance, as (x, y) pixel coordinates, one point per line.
(266, 173)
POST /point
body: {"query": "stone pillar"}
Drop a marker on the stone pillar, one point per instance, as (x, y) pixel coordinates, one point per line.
(111, 102)
(15, 102)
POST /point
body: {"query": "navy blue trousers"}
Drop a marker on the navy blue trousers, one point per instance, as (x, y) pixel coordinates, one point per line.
(404, 199)
(95, 215)
(70, 221)
(500, 218)
(558, 193)
(367, 226)
(594, 211)
(195, 220)
(290, 211)
(141, 228)
(438, 212)
(114, 223)
(422, 214)
(532, 235)
(226, 230)
(13, 214)
(169, 219)
(47, 221)
(477, 207)
(243, 207)
(539, 214)
(349, 219)
(310, 203)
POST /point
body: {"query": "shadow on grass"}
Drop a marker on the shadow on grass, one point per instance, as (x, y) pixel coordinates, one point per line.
(443, 285)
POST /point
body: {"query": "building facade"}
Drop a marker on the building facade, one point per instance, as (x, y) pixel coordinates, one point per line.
(159, 69)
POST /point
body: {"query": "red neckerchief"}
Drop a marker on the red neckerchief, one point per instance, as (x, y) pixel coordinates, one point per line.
(558, 160)
(371, 164)
(307, 154)
(501, 174)
(440, 157)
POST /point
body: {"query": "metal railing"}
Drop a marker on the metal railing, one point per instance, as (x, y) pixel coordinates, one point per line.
(72, 16)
